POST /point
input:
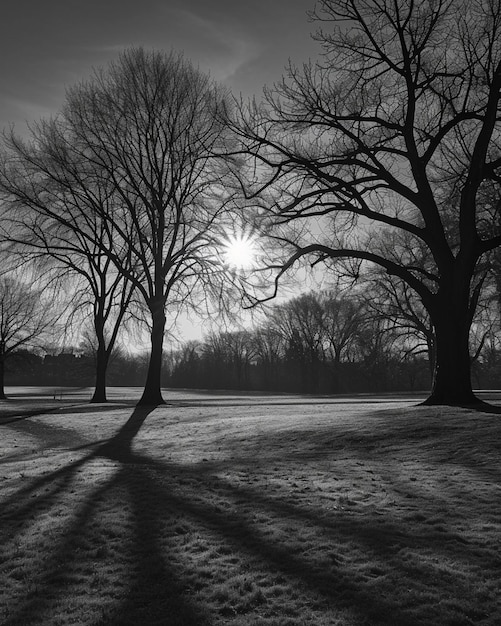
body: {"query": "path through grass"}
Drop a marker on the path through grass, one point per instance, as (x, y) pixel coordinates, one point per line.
(250, 510)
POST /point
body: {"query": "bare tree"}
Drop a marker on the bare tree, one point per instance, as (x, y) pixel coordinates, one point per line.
(300, 321)
(24, 319)
(184, 365)
(150, 122)
(342, 320)
(55, 221)
(241, 352)
(395, 130)
(138, 150)
(377, 344)
(269, 348)
(393, 300)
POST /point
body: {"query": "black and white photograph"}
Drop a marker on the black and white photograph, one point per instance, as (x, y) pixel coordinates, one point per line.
(250, 313)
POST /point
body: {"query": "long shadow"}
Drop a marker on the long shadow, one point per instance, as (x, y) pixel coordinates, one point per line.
(156, 493)
(153, 592)
(100, 408)
(57, 567)
(387, 428)
(119, 446)
(51, 436)
(116, 448)
(17, 415)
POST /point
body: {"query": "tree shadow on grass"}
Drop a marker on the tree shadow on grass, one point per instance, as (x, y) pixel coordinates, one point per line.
(154, 504)
(152, 592)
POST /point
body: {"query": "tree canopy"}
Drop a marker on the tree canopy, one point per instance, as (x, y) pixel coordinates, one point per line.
(135, 165)
(387, 151)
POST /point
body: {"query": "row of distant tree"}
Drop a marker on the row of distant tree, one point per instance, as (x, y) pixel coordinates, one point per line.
(67, 369)
(310, 344)
(326, 342)
(376, 340)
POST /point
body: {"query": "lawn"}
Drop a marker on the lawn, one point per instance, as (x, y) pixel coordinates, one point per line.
(255, 510)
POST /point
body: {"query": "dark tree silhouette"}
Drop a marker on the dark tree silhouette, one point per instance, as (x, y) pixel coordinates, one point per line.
(328, 342)
(394, 129)
(137, 154)
(23, 321)
(343, 317)
(55, 221)
(300, 321)
(388, 298)
(269, 349)
(150, 122)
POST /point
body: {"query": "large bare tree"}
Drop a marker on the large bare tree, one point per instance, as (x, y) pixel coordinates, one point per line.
(150, 122)
(395, 129)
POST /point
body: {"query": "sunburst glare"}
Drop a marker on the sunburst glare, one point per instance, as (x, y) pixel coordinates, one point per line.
(240, 251)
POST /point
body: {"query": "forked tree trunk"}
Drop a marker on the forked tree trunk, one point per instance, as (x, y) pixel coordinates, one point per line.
(152, 393)
(452, 376)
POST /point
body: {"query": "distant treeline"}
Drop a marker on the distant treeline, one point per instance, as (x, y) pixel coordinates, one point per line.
(195, 367)
(297, 373)
(315, 343)
(67, 369)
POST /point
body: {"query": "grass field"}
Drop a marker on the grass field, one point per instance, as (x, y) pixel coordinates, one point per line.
(255, 510)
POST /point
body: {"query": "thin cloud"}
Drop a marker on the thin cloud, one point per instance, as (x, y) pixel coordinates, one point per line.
(47, 47)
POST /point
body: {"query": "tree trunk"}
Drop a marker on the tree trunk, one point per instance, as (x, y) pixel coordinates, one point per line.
(152, 393)
(452, 375)
(102, 359)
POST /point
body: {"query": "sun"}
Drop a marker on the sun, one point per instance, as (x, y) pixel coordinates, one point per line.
(240, 251)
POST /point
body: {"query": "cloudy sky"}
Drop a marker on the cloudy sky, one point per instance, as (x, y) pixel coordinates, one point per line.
(47, 45)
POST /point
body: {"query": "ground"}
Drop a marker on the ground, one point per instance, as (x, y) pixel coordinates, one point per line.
(248, 510)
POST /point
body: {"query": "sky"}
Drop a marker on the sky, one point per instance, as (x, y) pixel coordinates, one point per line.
(49, 45)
